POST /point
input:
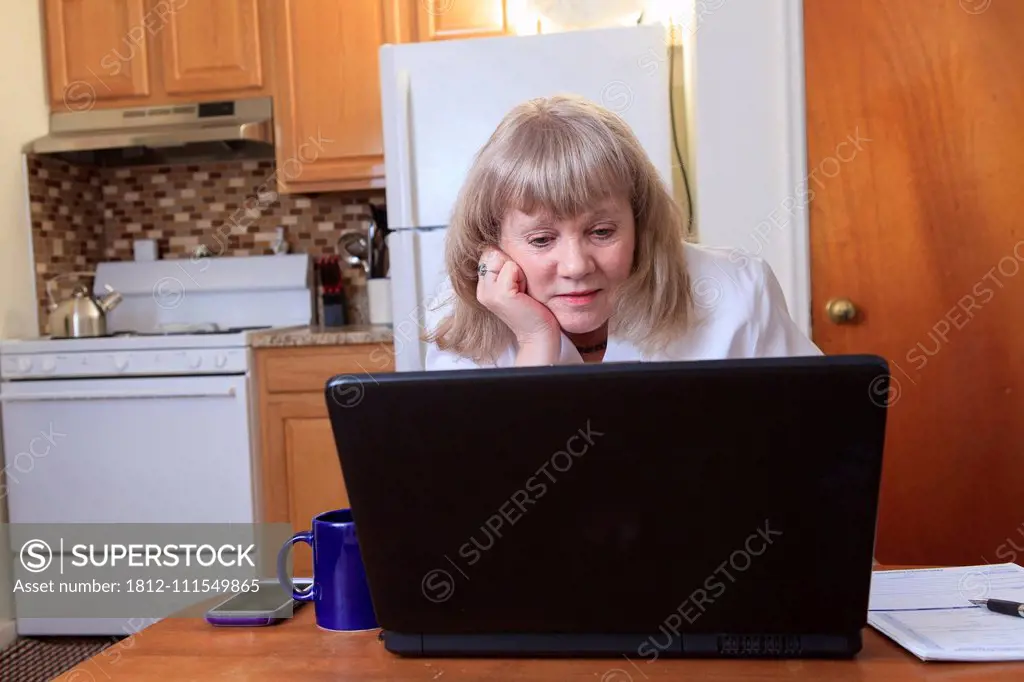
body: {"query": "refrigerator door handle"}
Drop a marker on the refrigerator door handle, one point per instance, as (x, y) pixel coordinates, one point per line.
(406, 181)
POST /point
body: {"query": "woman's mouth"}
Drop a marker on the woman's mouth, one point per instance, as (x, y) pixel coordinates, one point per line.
(579, 297)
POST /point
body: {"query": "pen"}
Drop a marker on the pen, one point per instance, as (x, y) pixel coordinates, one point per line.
(1009, 608)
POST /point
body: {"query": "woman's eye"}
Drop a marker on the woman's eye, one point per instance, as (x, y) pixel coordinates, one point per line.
(540, 241)
(604, 232)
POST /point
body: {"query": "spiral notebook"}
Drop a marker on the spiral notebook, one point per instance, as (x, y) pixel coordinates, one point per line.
(927, 612)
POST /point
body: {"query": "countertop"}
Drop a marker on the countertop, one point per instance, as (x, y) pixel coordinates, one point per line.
(322, 336)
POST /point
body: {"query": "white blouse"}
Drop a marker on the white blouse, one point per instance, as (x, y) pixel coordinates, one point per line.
(740, 308)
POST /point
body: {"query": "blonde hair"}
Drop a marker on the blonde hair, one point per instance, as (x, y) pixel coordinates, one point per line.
(563, 155)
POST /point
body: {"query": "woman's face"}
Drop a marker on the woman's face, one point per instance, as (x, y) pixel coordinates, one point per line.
(573, 266)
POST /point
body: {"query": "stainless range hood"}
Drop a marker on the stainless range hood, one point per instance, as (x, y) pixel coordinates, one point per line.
(227, 129)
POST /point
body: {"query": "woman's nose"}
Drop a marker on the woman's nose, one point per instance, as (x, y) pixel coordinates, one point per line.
(575, 261)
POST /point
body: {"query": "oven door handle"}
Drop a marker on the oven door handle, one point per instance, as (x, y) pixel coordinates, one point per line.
(116, 395)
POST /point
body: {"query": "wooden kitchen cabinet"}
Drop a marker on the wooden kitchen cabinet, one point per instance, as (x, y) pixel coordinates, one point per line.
(95, 57)
(455, 19)
(300, 473)
(327, 96)
(318, 59)
(128, 53)
(215, 46)
(327, 111)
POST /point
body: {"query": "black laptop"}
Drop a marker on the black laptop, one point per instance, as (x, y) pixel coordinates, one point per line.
(715, 509)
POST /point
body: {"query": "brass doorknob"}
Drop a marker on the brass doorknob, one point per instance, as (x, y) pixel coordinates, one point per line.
(841, 310)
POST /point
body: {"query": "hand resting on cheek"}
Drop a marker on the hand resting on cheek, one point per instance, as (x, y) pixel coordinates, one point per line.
(502, 290)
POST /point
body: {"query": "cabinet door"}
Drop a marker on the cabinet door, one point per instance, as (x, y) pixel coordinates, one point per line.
(98, 52)
(327, 108)
(448, 19)
(301, 472)
(214, 46)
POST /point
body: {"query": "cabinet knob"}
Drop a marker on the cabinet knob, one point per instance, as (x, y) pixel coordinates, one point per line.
(841, 310)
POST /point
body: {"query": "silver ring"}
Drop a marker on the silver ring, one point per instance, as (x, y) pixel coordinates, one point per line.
(481, 270)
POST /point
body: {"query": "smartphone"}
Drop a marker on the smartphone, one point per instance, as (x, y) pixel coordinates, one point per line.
(265, 606)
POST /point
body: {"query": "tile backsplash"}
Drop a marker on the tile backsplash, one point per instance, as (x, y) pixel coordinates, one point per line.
(83, 215)
(67, 225)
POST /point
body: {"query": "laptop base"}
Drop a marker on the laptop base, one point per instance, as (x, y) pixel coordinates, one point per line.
(639, 647)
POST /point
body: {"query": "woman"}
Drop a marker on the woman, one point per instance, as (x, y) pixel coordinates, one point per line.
(565, 247)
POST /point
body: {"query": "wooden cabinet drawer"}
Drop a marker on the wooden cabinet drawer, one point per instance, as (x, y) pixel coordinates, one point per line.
(304, 370)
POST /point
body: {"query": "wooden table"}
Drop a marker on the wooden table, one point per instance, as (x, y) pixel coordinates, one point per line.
(189, 649)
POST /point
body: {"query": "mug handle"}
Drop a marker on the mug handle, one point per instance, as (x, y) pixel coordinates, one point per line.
(282, 567)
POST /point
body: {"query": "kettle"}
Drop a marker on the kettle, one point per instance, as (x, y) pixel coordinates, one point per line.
(81, 315)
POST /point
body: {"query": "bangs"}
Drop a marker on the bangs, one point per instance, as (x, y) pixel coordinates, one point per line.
(560, 167)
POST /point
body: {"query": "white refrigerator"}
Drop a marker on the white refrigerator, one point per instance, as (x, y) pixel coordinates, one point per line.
(442, 100)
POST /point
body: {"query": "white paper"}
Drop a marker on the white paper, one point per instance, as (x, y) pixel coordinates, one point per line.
(935, 588)
(968, 634)
(928, 612)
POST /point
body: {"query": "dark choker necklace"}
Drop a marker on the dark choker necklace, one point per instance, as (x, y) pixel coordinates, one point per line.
(592, 349)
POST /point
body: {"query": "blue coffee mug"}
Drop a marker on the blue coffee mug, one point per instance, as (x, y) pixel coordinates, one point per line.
(340, 593)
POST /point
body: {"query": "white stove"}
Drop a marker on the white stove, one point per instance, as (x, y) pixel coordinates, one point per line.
(127, 354)
(177, 318)
(153, 423)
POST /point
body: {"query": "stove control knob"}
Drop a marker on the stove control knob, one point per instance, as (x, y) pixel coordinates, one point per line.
(195, 361)
(49, 365)
(220, 360)
(121, 363)
(24, 364)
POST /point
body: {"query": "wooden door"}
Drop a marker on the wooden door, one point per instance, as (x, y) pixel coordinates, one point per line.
(215, 47)
(918, 223)
(455, 19)
(302, 461)
(97, 53)
(330, 131)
